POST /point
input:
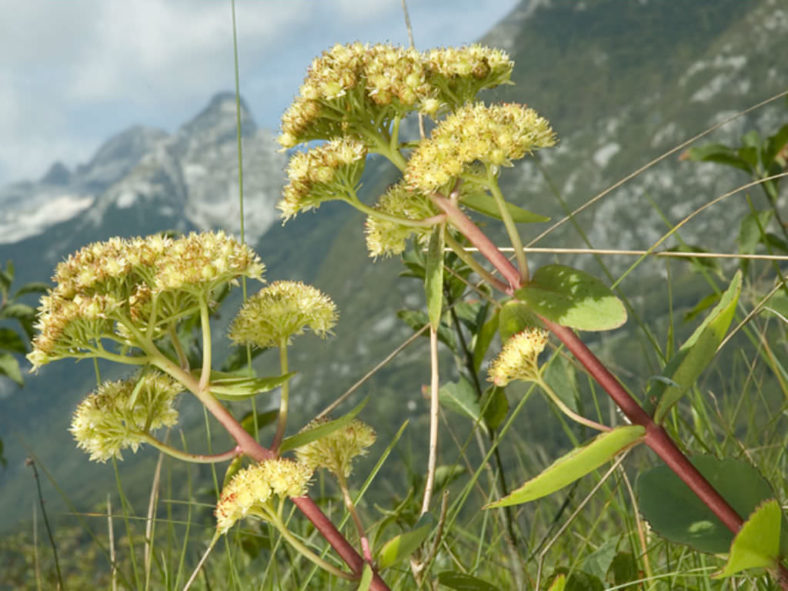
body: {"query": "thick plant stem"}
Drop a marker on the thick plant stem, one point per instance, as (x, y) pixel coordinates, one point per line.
(281, 423)
(656, 437)
(254, 450)
(476, 237)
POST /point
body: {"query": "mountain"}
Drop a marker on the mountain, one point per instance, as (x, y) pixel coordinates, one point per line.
(620, 81)
(188, 179)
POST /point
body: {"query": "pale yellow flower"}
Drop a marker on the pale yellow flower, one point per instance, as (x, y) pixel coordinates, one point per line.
(281, 310)
(518, 360)
(336, 451)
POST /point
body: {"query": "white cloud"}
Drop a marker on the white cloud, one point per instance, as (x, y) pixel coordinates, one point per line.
(77, 72)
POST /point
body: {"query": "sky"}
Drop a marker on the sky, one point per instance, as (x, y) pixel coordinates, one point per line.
(73, 73)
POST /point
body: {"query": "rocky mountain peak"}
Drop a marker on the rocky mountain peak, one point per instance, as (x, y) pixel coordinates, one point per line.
(217, 122)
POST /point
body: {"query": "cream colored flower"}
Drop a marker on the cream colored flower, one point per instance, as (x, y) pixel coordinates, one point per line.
(118, 414)
(250, 491)
(518, 360)
(387, 237)
(281, 310)
(494, 135)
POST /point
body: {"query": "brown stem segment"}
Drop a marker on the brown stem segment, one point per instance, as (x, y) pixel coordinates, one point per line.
(656, 437)
(254, 450)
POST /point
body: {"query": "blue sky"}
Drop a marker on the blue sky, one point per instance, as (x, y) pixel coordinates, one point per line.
(74, 73)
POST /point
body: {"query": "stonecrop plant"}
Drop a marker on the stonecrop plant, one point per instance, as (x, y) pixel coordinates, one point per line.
(124, 301)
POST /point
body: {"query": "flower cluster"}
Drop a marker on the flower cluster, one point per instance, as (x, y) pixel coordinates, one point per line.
(494, 135)
(106, 287)
(281, 310)
(350, 85)
(321, 174)
(384, 235)
(251, 490)
(336, 451)
(518, 360)
(120, 414)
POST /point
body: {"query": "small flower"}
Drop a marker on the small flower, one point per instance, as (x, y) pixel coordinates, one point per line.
(322, 174)
(119, 414)
(336, 451)
(518, 360)
(461, 72)
(281, 310)
(251, 490)
(387, 237)
(494, 135)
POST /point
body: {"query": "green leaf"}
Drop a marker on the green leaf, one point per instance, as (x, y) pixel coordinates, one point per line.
(263, 420)
(696, 353)
(9, 366)
(576, 464)
(598, 562)
(559, 583)
(484, 339)
(757, 545)
(624, 568)
(484, 203)
(752, 230)
(433, 282)
(366, 578)
(232, 469)
(416, 319)
(495, 407)
(560, 376)
(304, 437)
(403, 545)
(3, 461)
(233, 387)
(18, 311)
(573, 298)
(515, 317)
(464, 582)
(33, 287)
(11, 341)
(675, 512)
(462, 398)
(717, 153)
(774, 145)
(580, 581)
(777, 305)
(445, 475)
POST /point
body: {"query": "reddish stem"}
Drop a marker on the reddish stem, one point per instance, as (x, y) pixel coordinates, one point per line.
(476, 237)
(656, 437)
(307, 506)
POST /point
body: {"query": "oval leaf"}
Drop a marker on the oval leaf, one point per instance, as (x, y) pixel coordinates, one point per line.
(433, 281)
(402, 546)
(757, 545)
(573, 298)
(696, 353)
(9, 366)
(577, 463)
(515, 317)
(485, 204)
(461, 398)
(463, 582)
(310, 435)
(675, 513)
(240, 387)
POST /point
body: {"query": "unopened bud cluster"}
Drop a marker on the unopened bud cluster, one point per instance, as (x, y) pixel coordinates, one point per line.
(281, 310)
(336, 451)
(518, 360)
(251, 490)
(118, 414)
(106, 287)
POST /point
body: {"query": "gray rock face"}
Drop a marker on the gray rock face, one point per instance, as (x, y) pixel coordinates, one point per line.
(192, 173)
